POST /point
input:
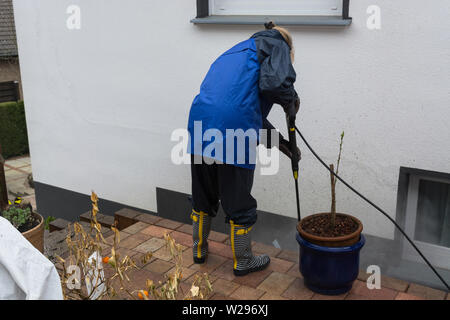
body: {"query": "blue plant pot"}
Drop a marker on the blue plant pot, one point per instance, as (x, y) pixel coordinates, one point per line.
(327, 270)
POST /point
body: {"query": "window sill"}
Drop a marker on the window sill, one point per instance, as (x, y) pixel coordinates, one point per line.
(279, 20)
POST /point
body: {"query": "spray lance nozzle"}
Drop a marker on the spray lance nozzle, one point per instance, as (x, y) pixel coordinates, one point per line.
(291, 111)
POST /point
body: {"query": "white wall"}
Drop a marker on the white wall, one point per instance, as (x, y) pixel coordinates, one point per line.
(101, 102)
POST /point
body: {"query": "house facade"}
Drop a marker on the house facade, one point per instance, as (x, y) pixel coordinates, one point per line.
(107, 83)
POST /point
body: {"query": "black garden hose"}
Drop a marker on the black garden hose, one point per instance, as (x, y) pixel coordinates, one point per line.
(376, 207)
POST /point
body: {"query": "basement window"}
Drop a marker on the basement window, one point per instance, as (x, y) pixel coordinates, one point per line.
(282, 12)
(427, 217)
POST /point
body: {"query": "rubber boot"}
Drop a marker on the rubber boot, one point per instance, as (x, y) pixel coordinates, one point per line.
(201, 225)
(243, 258)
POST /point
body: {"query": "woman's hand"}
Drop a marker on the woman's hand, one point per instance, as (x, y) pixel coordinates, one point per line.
(284, 148)
(297, 104)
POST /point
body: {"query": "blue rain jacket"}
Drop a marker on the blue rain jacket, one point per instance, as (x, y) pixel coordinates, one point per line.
(236, 97)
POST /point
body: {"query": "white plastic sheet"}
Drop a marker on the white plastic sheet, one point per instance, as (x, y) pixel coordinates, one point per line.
(25, 273)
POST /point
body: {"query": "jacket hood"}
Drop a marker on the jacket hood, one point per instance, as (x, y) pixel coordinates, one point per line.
(271, 33)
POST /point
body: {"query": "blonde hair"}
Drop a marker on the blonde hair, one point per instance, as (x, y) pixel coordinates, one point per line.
(285, 34)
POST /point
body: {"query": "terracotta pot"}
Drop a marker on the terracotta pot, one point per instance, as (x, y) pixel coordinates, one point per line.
(36, 235)
(343, 241)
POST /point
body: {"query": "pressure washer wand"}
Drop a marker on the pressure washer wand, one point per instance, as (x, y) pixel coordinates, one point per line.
(290, 120)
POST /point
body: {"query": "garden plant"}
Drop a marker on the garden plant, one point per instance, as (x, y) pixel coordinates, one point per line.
(87, 274)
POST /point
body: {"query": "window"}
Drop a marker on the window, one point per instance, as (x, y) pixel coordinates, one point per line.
(283, 12)
(428, 218)
(278, 7)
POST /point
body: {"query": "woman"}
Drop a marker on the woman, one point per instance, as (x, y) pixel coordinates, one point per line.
(237, 94)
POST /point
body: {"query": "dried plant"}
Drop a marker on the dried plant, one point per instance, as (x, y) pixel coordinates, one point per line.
(333, 185)
(85, 278)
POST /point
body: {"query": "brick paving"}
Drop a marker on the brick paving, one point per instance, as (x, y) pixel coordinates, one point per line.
(280, 281)
(141, 233)
(17, 170)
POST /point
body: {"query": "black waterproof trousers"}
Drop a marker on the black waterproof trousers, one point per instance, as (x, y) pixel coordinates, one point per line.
(231, 185)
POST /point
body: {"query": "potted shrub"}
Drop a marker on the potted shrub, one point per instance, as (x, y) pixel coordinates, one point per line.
(330, 243)
(29, 223)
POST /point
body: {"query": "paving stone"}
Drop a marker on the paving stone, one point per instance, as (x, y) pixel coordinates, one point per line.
(86, 226)
(276, 283)
(247, 293)
(128, 213)
(185, 272)
(139, 277)
(123, 252)
(164, 253)
(155, 231)
(395, 284)
(317, 296)
(122, 236)
(187, 258)
(407, 296)
(55, 237)
(105, 250)
(217, 236)
(85, 216)
(259, 248)
(133, 241)
(224, 287)
(55, 244)
(141, 260)
(184, 291)
(220, 248)
(426, 292)
(107, 233)
(159, 266)
(58, 224)
(26, 169)
(289, 255)
(182, 238)
(136, 227)
(352, 296)
(168, 224)
(150, 245)
(363, 275)
(125, 217)
(212, 262)
(297, 291)
(192, 278)
(217, 296)
(271, 296)
(185, 228)
(148, 218)
(225, 271)
(253, 279)
(360, 288)
(107, 221)
(18, 162)
(280, 265)
(13, 175)
(295, 271)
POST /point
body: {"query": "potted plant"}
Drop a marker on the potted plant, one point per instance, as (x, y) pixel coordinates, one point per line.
(330, 243)
(29, 223)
